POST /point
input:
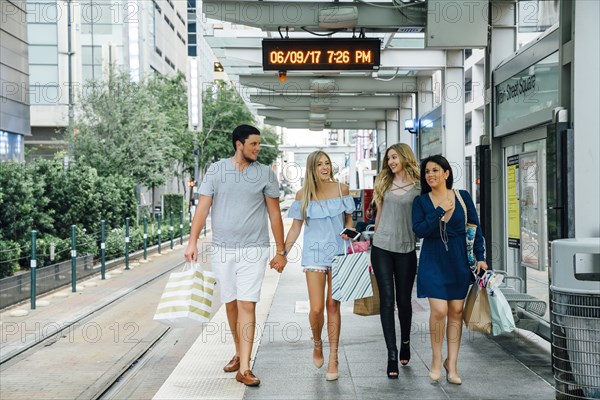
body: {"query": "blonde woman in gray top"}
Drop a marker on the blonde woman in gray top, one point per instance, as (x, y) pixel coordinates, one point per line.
(393, 255)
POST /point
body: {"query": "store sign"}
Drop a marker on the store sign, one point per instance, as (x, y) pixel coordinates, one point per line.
(531, 90)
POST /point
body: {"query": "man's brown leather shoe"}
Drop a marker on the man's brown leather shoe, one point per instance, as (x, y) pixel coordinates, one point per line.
(233, 365)
(247, 378)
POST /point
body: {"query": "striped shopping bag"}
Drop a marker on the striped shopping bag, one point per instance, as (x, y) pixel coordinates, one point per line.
(187, 298)
(350, 277)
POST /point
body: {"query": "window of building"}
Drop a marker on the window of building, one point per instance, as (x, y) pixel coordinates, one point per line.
(192, 51)
(42, 34)
(468, 53)
(152, 24)
(468, 91)
(180, 18)
(11, 146)
(537, 15)
(468, 132)
(469, 175)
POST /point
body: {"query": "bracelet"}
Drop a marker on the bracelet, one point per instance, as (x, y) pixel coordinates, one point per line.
(283, 253)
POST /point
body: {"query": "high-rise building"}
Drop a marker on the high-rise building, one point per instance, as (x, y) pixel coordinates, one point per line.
(14, 82)
(75, 42)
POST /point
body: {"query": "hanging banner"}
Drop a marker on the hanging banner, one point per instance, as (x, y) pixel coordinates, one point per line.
(512, 194)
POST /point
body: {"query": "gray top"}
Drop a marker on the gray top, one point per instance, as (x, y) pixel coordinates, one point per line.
(239, 211)
(394, 231)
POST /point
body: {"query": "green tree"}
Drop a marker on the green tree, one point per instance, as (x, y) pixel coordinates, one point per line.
(171, 96)
(269, 149)
(124, 130)
(22, 202)
(223, 110)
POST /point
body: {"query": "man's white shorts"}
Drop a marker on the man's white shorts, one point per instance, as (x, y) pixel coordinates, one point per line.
(239, 272)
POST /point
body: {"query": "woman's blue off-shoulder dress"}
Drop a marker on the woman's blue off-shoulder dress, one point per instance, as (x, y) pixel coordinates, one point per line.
(325, 221)
(445, 274)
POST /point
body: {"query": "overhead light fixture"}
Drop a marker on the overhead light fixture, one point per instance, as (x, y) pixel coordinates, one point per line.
(313, 117)
(218, 67)
(338, 17)
(411, 125)
(322, 87)
(282, 76)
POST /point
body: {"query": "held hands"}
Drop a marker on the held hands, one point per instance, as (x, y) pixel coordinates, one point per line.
(278, 263)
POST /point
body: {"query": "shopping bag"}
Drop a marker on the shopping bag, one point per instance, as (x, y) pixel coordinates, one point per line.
(187, 298)
(476, 313)
(501, 313)
(368, 305)
(358, 247)
(350, 277)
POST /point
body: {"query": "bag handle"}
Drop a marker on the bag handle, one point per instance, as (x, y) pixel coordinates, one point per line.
(195, 265)
(351, 246)
(462, 203)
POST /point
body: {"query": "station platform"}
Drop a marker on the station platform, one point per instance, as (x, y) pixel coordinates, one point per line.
(188, 365)
(504, 367)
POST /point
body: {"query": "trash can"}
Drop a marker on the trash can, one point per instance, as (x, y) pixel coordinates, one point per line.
(575, 317)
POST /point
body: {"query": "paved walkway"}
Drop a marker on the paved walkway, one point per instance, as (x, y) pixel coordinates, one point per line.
(490, 368)
(513, 366)
(508, 367)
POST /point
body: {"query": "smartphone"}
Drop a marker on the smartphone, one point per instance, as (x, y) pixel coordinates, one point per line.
(351, 234)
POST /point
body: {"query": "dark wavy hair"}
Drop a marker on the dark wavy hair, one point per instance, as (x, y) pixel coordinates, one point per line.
(442, 162)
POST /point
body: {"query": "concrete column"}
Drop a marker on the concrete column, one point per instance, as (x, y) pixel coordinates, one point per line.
(352, 175)
(381, 142)
(586, 120)
(503, 21)
(392, 127)
(424, 95)
(454, 115)
(406, 112)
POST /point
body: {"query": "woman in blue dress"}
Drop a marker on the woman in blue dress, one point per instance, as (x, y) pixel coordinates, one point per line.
(444, 275)
(325, 208)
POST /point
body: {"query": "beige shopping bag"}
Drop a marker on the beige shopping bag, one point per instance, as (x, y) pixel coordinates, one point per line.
(476, 313)
(368, 305)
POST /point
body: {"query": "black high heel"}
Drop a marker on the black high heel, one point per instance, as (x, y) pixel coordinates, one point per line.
(405, 352)
(392, 367)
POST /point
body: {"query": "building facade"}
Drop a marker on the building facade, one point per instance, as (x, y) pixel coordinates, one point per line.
(75, 43)
(14, 80)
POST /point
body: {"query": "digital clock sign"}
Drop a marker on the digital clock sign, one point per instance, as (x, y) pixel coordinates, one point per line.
(321, 54)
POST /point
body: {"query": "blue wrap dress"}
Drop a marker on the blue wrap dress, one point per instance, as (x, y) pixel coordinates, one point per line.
(445, 273)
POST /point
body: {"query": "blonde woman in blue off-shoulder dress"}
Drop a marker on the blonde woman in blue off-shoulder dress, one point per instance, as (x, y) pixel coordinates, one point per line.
(324, 207)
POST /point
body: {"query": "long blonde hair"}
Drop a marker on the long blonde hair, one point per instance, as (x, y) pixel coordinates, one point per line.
(386, 176)
(312, 183)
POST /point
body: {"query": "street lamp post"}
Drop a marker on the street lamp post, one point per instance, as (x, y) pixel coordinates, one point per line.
(196, 161)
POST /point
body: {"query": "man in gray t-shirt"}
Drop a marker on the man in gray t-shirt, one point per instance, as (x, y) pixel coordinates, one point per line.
(240, 193)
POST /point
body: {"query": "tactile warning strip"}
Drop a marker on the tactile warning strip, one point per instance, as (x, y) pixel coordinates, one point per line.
(199, 374)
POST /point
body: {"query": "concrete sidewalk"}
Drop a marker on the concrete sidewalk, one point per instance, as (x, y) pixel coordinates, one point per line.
(506, 367)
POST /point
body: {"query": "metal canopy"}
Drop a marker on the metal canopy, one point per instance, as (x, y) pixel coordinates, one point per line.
(297, 15)
(324, 99)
